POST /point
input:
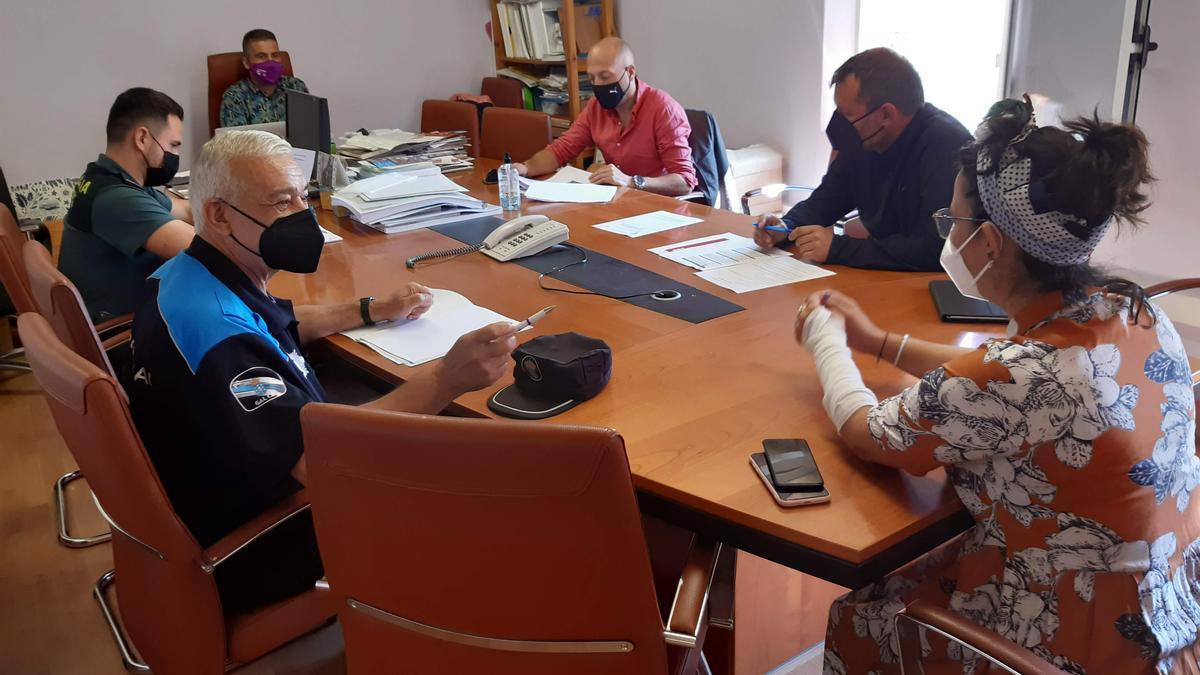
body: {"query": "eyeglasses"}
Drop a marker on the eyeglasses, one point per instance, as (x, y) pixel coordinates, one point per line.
(945, 221)
(865, 115)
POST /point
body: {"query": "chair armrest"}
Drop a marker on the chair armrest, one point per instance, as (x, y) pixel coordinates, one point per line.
(988, 644)
(114, 324)
(113, 341)
(691, 196)
(1168, 287)
(250, 531)
(691, 596)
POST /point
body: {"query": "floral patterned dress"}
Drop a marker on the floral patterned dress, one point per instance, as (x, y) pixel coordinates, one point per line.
(1074, 447)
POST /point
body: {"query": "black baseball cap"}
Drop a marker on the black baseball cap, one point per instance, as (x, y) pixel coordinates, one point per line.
(553, 373)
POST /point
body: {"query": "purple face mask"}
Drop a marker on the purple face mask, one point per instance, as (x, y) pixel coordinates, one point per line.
(267, 72)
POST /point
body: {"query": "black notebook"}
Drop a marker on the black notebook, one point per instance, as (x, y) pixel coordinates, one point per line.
(955, 307)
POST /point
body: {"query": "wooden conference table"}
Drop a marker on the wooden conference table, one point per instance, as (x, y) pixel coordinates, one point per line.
(692, 401)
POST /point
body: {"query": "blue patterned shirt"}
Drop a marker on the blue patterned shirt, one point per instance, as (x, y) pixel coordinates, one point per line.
(243, 103)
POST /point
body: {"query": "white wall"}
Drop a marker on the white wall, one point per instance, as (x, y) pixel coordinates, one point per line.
(1168, 247)
(66, 60)
(756, 65)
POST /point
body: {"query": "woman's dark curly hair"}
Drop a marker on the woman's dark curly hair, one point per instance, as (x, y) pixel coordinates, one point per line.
(1093, 170)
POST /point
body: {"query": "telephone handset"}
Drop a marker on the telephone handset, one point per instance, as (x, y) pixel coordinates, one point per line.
(517, 238)
(524, 236)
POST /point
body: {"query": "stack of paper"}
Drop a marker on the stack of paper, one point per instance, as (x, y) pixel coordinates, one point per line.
(735, 262)
(566, 190)
(411, 343)
(401, 201)
(384, 150)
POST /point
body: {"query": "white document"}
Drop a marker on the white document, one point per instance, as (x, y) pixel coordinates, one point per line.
(305, 159)
(401, 185)
(763, 273)
(330, 237)
(412, 343)
(570, 174)
(719, 250)
(647, 223)
(546, 191)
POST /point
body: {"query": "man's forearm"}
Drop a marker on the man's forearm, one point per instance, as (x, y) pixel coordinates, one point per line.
(318, 321)
(671, 185)
(422, 393)
(541, 163)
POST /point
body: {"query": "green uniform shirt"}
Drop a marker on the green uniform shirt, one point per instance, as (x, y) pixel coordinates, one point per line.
(243, 103)
(103, 246)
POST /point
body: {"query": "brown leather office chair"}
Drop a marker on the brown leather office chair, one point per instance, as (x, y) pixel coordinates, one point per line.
(521, 133)
(224, 70)
(168, 599)
(437, 115)
(458, 545)
(58, 301)
(16, 283)
(1004, 655)
(505, 92)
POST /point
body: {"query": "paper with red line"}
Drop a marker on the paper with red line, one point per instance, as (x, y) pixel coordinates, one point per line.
(715, 252)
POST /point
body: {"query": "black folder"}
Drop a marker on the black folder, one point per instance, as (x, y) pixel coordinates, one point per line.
(954, 307)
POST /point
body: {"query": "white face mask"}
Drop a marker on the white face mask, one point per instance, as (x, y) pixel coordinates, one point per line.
(956, 267)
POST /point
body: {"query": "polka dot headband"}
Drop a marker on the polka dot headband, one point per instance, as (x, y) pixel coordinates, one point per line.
(1021, 208)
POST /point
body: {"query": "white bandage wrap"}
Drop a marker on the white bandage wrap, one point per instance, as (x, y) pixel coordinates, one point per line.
(824, 337)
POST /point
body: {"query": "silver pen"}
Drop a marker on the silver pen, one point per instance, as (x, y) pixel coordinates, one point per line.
(537, 316)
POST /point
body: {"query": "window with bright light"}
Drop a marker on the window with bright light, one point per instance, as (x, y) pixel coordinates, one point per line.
(959, 48)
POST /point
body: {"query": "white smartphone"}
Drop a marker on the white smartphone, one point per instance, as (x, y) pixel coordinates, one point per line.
(758, 461)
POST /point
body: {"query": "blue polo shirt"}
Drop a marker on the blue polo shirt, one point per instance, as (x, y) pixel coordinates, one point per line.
(216, 387)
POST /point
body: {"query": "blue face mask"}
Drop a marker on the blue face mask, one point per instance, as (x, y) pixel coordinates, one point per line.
(609, 96)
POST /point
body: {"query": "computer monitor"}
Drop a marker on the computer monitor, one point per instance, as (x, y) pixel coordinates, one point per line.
(308, 121)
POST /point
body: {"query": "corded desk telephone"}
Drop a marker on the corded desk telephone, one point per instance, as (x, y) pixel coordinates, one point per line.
(517, 238)
(524, 236)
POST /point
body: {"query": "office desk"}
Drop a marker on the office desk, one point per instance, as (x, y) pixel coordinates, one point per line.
(692, 400)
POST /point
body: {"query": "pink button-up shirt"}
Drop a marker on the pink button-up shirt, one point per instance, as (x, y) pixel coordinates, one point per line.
(654, 144)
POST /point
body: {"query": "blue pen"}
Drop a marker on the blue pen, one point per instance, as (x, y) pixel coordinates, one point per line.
(772, 228)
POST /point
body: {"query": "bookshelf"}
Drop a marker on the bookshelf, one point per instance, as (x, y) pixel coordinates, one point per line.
(572, 62)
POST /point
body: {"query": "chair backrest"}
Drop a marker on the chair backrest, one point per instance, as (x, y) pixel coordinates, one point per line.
(505, 92)
(224, 70)
(155, 557)
(708, 157)
(521, 133)
(12, 266)
(465, 545)
(59, 302)
(437, 115)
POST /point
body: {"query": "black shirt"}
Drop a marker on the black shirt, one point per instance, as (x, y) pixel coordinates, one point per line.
(895, 192)
(217, 384)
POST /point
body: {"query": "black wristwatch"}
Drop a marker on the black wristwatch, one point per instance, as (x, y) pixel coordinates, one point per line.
(364, 305)
(639, 182)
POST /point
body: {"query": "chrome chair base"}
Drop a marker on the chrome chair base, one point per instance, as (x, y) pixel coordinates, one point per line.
(100, 593)
(14, 361)
(60, 508)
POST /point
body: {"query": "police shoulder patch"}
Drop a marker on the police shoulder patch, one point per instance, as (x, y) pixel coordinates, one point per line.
(255, 387)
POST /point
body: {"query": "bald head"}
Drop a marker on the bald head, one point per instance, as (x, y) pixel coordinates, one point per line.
(611, 52)
(609, 61)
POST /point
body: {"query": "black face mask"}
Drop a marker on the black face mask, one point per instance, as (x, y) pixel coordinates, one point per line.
(860, 140)
(609, 96)
(163, 173)
(292, 243)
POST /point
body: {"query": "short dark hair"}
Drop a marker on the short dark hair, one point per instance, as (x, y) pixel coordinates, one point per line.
(884, 77)
(135, 107)
(256, 35)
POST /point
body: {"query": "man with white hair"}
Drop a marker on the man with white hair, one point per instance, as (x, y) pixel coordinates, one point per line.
(219, 376)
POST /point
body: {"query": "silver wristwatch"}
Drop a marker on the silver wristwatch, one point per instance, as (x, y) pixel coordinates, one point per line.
(639, 182)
